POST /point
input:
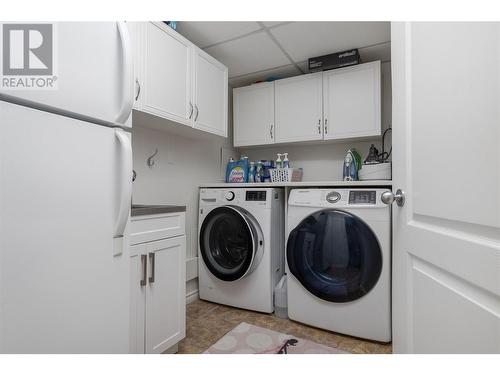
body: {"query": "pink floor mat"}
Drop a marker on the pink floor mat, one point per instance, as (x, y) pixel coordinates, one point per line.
(249, 339)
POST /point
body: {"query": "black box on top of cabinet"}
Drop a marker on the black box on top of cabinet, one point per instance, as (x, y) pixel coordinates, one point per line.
(334, 60)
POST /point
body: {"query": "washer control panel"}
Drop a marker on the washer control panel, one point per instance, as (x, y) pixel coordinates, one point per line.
(256, 195)
(362, 197)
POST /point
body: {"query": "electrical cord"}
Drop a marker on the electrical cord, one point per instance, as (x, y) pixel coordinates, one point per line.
(384, 156)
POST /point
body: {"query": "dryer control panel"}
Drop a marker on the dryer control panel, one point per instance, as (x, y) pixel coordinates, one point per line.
(362, 196)
(338, 198)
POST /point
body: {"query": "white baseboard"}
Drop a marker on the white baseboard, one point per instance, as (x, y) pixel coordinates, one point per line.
(192, 296)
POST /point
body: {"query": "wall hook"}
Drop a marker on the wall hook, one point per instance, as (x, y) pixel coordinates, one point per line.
(150, 161)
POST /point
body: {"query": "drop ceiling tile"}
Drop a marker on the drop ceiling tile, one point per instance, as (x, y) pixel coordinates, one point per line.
(207, 33)
(281, 72)
(302, 40)
(249, 54)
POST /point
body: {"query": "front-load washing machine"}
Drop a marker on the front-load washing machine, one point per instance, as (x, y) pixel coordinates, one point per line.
(241, 246)
(338, 260)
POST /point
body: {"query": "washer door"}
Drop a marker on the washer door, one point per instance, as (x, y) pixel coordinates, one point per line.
(334, 255)
(229, 243)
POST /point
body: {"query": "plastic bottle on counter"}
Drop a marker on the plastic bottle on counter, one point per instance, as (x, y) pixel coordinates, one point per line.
(279, 162)
(286, 162)
(259, 172)
(251, 172)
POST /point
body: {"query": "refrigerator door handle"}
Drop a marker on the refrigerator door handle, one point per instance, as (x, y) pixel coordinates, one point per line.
(125, 183)
(128, 74)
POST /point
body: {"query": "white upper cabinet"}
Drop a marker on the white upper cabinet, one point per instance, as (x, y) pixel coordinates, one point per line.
(298, 105)
(333, 105)
(210, 94)
(177, 81)
(167, 74)
(352, 101)
(253, 111)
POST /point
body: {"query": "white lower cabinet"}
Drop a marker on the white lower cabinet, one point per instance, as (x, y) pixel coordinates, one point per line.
(158, 291)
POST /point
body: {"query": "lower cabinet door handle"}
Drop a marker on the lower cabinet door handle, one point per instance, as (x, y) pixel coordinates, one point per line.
(144, 263)
(152, 260)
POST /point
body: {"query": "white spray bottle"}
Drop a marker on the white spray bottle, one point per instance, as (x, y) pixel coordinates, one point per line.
(286, 162)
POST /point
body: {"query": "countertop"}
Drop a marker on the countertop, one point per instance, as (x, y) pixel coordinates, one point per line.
(155, 209)
(367, 183)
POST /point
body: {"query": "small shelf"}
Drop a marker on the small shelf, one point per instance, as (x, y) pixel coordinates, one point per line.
(368, 183)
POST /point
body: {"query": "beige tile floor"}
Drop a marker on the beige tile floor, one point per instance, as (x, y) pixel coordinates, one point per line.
(207, 322)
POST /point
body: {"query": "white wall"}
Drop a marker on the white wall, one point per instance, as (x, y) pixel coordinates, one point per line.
(181, 164)
(324, 162)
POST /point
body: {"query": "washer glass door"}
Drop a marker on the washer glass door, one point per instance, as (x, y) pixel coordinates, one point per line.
(334, 255)
(227, 243)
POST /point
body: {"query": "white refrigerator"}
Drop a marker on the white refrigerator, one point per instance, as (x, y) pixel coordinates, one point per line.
(65, 195)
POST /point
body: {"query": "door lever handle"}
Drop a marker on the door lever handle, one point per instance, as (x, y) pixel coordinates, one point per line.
(388, 197)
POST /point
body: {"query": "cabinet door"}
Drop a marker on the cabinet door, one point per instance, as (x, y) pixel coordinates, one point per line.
(136, 31)
(167, 74)
(253, 108)
(298, 103)
(210, 94)
(165, 294)
(138, 262)
(351, 101)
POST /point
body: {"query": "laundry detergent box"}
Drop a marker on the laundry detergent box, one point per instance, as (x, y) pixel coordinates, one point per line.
(237, 171)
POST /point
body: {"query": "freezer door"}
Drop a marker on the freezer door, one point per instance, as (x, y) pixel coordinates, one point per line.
(62, 290)
(93, 66)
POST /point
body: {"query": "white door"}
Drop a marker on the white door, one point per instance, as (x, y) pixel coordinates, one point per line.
(210, 94)
(165, 294)
(351, 101)
(93, 67)
(167, 81)
(62, 288)
(299, 108)
(446, 116)
(253, 112)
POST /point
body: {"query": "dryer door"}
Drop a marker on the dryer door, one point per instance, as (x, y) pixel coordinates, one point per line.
(334, 255)
(229, 243)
